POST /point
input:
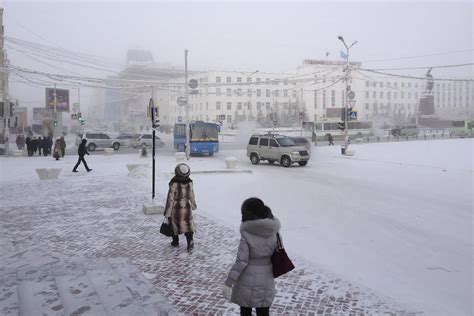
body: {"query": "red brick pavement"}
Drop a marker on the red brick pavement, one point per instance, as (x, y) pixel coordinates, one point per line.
(106, 221)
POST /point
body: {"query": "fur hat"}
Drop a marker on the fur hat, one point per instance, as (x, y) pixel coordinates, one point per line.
(254, 208)
(182, 170)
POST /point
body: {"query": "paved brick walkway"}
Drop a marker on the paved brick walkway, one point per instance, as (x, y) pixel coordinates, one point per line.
(101, 217)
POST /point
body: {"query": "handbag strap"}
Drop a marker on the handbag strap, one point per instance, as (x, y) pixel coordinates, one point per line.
(279, 244)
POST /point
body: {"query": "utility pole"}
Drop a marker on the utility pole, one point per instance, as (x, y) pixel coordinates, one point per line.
(186, 95)
(249, 92)
(55, 114)
(348, 88)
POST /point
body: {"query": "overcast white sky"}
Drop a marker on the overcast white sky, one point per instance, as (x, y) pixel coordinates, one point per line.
(268, 36)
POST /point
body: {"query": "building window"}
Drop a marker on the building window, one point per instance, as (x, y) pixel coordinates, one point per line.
(367, 94)
(381, 85)
(218, 92)
(259, 80)
(381, 94)
(218, 79)
(367, 106)
(294, 93)
(277, 93)
(259, 93)
(267, 106)
(239, 92)
(389, 95)
(239, 105)
(402, 95)
(249, 92)
(267, 93)
(229, 105)
(267, 80)
(239, 79)
(285, 93)
(315, 99)
(229, 92)
(367, 84)
(409, 85)
(218, 105)
(333, 98)
(395, 84)
(409, 95)
(228, 79)
(229, 119)
(403, 84)
(394, 95)
(249, 79)
(374, 95)
(259, 105)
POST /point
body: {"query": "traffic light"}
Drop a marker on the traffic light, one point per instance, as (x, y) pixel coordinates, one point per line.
(341, 126)
(156, 123)
(55, 123)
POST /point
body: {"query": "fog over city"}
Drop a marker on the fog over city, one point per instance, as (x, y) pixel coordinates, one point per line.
(221, 157)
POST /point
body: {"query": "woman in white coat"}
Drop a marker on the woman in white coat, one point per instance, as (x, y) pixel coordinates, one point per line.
(250, 280)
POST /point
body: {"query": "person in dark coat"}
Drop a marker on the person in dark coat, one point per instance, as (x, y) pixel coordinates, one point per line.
(34, 145)
(180, 204)
(82, 151)
(18, 141)
(50, 144)
(46, 145)
(39, 143)
(250, 283)
(29, 146)
(331, 140)
(57, 149)
(62, 144)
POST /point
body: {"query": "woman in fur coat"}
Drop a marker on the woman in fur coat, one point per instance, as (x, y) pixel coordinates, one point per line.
(250, 283)
(180, 204)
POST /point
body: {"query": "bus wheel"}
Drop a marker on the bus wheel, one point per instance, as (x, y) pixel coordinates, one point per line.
(254, 159)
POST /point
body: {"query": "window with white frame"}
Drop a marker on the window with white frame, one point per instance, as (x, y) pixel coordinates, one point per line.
(218, 92)
(218, 105)
(228, 79)
(267, 93)
(333, 98)
(218, 79)
(259, 93)
(229, 105)
(239, 105)
(239, 79)
(229, 92)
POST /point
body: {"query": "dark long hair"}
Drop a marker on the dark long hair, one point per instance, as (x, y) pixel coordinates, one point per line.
(254, 208)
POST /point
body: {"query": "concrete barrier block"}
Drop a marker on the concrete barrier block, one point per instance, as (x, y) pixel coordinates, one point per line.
(48, 173)
(230, 162)
(180, 156)
(153, 208)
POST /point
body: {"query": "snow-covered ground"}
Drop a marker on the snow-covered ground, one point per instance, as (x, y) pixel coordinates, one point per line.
(396, 217)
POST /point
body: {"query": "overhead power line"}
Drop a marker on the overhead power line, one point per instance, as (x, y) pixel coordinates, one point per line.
(425, 67)
(419, 56)
(415, 77)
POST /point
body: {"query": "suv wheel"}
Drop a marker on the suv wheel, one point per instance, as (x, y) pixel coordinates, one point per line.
(285, 161)
(254, 159)
(116, 146)
(91, 147)
(302, 163)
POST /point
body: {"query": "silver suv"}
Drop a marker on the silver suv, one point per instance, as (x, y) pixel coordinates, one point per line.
(273, 147)
(98, 140)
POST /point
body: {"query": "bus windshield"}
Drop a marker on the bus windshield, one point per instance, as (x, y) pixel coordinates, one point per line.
(180, 130)
(204, 131)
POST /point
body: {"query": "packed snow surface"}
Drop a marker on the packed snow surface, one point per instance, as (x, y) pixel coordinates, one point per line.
(396, 217)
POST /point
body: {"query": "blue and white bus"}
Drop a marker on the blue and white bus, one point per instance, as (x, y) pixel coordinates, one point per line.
(203, 137)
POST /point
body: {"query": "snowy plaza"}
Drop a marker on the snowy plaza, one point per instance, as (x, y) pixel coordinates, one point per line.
(387, 231)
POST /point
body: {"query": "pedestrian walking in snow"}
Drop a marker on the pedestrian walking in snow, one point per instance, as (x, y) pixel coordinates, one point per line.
(57, 149)
(47, 145)
(62, 143)
(82, 151)
(180, 204)
(18, 141)
(34, 145)
(331, 140)
(29, 146)
(39, 142)
(250, 283)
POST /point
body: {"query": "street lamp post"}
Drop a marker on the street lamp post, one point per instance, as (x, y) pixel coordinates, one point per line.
(348, 87)
(186, 95)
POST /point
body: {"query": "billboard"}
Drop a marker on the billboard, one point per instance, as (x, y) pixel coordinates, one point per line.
(42, 114)
(62, 99)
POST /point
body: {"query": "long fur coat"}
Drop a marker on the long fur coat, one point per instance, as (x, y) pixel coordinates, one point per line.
(180, 204)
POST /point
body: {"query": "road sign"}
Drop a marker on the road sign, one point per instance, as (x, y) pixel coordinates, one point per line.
(181, 101)
(351, 95)
(193, 83)
(74, 117)
(353, 115)
(351, 103)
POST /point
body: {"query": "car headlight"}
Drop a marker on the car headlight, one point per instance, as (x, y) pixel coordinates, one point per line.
(295, 153)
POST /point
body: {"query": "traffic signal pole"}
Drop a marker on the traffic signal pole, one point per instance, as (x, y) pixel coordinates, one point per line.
(186, 95)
